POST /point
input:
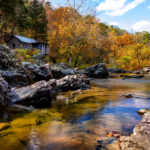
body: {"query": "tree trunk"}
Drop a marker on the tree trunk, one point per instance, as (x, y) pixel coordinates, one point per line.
(76, 61)
(70, 60)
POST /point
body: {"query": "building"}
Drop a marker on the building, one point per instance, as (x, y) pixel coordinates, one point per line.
(17, 41)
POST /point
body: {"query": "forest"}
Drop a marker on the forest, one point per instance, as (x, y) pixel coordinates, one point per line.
(75, 34)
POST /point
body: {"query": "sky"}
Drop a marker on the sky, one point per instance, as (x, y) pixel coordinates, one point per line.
(131, 15)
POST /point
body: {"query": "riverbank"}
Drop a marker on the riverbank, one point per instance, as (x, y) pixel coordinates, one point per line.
(51, 109)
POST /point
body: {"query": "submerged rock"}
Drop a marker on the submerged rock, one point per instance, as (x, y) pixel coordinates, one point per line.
(140, 138)
(32, 94)
(132, 76)
(98, 70)
(128, 95)
(4, 98)
(117, 70)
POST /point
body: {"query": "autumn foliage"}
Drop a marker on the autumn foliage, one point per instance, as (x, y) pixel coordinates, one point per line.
(87, 41)
(75, 37)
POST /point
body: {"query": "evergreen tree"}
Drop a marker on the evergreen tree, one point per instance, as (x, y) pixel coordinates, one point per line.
(38, 22)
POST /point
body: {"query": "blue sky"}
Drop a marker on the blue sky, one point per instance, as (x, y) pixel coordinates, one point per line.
(132, 15)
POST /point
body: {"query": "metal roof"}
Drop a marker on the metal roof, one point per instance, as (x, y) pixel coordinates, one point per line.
(24, 39)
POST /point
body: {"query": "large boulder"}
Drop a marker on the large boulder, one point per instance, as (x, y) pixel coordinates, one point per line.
(21, 76)
(97, 71)
(34, 94)
(62, 69)
(43, 72)
(70, 82)
(15, 79)
(140, 139)
(4, 98)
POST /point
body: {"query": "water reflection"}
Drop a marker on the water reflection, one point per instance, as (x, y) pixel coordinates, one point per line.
(79, 121)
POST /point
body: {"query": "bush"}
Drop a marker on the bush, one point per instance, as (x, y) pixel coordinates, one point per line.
(25, 54)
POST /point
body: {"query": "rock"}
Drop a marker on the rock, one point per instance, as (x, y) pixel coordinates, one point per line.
(15, 79)
(32, 94)
(58, 74)
(146, 70)
(138, 72)
(116, 70)
(39, 59)
(112, 76)
(86, 80)
(116, 134)
(39, 56)
(43, 72)
(98, 70)
(4, 48)
(52, 82)
(122, 138)
(132, 76)
(13, 71)
(128, 95)
(70, 82)
(76, 91)
(26, 64)
(140, 138)
(4, 98)
(64, 68)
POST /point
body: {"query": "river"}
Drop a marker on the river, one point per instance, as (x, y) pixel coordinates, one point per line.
(78, 121)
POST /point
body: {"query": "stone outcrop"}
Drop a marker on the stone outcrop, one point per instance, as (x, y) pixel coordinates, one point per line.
(14, 72)
(140, 139)
(37, 93)
(43, 72)
(97, 71)
(6, 58)
(4, 98)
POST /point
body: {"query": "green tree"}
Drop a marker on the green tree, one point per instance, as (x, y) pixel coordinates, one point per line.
(38, 21)
(146, 37)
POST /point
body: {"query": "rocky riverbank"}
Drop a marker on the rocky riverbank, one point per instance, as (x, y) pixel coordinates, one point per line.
(36, 83)
(140, 139)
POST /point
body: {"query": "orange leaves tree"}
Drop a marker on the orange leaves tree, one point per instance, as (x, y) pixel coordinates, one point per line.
(70, 35)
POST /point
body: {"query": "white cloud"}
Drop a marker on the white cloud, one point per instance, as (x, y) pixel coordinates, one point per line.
(148, 7)
(115, 23)
(141, 26)
(117, 7)
(55, 6)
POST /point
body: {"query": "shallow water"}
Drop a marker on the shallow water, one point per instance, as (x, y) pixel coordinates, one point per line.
(79, 121)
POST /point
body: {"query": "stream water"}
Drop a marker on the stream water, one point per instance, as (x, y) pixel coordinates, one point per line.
(78, 121)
